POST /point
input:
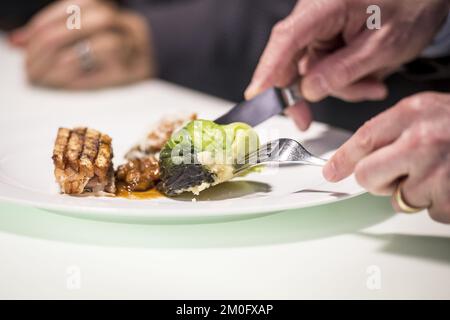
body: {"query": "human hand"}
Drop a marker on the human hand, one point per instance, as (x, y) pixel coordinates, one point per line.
(327, 43)
(111, 47)
(409, 142)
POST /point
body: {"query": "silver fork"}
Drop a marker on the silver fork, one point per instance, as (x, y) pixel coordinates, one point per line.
(281, 151)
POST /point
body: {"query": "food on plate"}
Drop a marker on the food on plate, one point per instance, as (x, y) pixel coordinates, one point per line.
(179, 155)
(157, 137)
(140, 174)
(83, 162)
(203, 154)
(141, 171)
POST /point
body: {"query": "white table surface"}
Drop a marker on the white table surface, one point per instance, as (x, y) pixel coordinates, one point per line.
(331, 251)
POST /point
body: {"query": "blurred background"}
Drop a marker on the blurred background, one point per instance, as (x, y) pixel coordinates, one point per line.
(212, 46)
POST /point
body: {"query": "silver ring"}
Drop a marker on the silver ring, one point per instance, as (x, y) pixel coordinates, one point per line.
(85, 56)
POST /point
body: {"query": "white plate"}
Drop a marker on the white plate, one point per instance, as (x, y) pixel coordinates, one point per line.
(26, 170)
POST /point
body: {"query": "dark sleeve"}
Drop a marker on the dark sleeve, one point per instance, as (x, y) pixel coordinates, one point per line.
(211, 45)
(14, 14)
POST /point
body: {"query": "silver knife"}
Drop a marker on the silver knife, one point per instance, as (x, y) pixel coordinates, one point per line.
(262, 107)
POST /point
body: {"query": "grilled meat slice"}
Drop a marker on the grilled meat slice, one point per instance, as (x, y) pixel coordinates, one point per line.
(75, 147)
(139, 174)
(83, 162)
(90, 151)
(103, 161)
(60, 147)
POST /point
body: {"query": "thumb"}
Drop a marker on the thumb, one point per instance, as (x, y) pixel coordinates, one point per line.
(301, 114)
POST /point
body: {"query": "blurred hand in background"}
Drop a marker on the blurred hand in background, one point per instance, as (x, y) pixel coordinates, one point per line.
(327, 43)
(111, 47)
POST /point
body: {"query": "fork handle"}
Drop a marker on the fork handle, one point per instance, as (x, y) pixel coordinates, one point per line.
(316, 161)
(312, 161)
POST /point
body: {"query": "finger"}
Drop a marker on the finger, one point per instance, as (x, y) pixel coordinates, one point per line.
(427, 184)
(282, 77)
(289, 38)
(438, 215)
(379, 171)
(353, 62)
(307, 61)
(105, 47)
(414, 193)
(374, 134)
(64, 69)
(366, 89)
(301, 114)
(57, 35)
(409, 156)
(55, 12)
(105, 76)
(44, 46)
(113, 67)
(110, 74)
(15, 38)
(316, 51)
(440, 201)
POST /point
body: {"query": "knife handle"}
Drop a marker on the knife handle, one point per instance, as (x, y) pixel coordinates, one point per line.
(291, 95)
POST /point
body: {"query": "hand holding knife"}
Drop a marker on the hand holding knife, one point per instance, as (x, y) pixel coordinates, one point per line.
(264, 106)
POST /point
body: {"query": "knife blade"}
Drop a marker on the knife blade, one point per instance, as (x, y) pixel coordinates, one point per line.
(262, 107)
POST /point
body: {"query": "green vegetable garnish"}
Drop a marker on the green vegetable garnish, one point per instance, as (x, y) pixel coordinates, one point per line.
(203, 154)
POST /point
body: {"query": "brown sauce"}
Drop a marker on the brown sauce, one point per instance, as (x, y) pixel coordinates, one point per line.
(123, 192)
